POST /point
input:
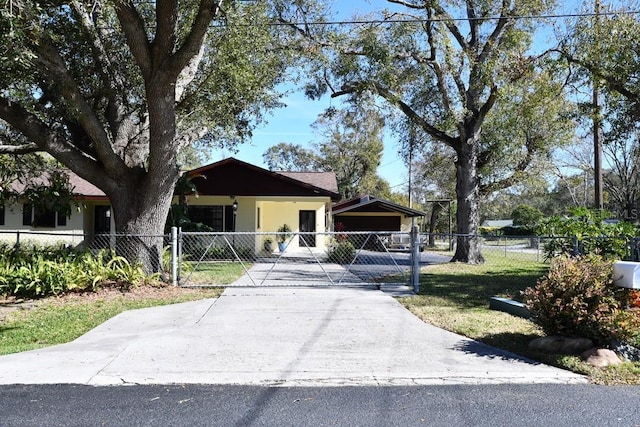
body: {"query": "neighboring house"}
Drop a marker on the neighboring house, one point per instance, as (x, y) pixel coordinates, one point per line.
(264, 200)
(369, 213)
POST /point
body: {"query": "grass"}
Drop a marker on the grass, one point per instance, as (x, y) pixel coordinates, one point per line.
(213, 273)
(455, 297)
(59, 320)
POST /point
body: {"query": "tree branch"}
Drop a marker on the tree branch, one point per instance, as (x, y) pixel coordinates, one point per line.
(49, 58)
(132, 26)
(415, 117)
(20, 149)
(112, 80)
(46, 139)
(193, 43)
(613, 83)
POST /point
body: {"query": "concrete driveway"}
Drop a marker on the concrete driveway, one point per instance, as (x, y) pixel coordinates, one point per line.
(275, 336)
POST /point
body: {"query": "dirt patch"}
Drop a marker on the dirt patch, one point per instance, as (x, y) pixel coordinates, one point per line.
(10, 304)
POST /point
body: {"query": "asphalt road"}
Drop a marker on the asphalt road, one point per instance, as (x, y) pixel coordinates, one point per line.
(200, 405)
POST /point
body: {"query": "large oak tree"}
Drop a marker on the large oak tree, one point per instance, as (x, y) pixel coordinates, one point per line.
(448, 66)
(115, 89)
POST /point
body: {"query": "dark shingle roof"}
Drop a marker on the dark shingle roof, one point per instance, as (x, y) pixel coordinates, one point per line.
(79, 186)
(324, 180)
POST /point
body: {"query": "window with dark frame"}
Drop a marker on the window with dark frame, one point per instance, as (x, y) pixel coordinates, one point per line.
(218, 217)
(45, 219)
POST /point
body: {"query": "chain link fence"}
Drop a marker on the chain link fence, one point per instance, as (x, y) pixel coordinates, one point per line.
(322, 258)
(297, 258)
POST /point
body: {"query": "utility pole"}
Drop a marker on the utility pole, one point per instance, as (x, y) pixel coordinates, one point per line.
(412, 141)
(597, 128)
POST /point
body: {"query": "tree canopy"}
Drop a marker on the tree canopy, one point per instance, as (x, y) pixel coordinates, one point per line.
(115, 90)
(451, 68)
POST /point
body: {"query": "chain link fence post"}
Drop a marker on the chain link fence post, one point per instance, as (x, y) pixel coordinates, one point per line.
(174, 256)
(415, 259)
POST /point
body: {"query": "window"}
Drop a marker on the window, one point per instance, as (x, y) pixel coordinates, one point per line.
(219, 218)
(44, 219)
(258, 219)
(2, 214)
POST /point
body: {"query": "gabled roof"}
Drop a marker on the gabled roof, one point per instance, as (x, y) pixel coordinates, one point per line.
(235, 177)
(373, 204)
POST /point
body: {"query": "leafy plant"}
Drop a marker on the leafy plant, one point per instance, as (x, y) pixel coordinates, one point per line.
(284, 232)
(35, 271)
(341, 252)
(577, 297)
(583, 232)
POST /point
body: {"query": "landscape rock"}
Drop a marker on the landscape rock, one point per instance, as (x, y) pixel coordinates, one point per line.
(560, 345)
(601, 357)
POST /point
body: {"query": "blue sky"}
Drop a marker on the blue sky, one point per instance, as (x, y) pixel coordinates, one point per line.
(292, 124)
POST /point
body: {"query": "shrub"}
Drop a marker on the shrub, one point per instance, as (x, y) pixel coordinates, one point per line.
(341, 252)
(577, 297)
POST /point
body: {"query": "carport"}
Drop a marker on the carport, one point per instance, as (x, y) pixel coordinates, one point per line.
(368, 213)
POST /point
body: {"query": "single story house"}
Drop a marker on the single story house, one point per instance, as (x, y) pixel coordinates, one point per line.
(263, 200)
(91, 215)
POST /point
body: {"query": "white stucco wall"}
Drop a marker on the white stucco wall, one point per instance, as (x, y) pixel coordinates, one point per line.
(13, 230)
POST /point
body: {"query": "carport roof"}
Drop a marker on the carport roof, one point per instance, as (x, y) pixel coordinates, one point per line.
(373, 204)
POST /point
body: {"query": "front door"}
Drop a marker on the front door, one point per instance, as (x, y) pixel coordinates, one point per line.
(307, 225)
(102, 220)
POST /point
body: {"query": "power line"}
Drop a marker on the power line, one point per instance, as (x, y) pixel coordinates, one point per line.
(451, 19)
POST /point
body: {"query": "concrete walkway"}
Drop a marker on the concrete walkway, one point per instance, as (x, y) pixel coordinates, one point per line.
(275, 336)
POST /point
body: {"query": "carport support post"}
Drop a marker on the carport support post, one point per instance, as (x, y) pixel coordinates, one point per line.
(174, 256)
(415, 259)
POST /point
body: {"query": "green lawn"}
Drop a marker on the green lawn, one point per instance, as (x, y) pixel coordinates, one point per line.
(456, 296)
(216, 273)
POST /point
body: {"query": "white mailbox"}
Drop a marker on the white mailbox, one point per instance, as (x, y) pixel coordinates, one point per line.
(626, 274)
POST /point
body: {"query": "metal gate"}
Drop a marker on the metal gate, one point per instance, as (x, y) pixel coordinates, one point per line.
(296, 259)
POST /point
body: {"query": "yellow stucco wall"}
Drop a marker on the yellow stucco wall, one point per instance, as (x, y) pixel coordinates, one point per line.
(267, 214)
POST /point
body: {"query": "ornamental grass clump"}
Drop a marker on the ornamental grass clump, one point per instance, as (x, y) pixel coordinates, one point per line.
(578, 298)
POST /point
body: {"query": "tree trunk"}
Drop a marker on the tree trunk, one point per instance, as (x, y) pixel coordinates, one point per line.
(467, 194)
(141, 205)
(140, 212)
